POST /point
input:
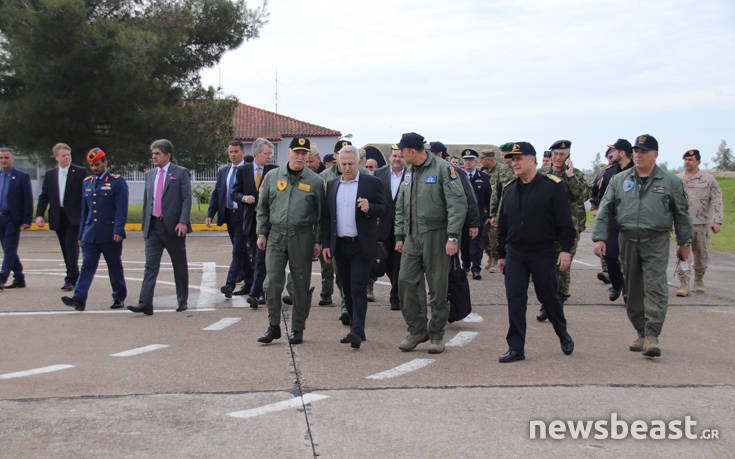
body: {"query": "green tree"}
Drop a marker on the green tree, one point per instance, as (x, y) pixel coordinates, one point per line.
(118, 74)
(723, 158)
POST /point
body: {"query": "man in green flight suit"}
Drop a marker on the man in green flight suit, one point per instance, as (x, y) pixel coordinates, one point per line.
(430, 212)
(577, 192)
(289, 211)
(645, 201)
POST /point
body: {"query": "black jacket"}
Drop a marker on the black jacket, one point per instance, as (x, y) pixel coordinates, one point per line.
(370, 188)
(473, 218)
(245, 186)
(386, 222)
(72, 196)
(544, 220)
(480, 182)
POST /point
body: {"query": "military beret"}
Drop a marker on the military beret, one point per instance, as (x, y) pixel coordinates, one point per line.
(623, 145)
(411, 140)
(437, 147)
(506, 147)
(646, 142)
(300, 143)
(560, 145)
(95, 154)
(521, 148)
(547, 154)
(341, 143)
(469, 153)
(692, 153)
(328, 158)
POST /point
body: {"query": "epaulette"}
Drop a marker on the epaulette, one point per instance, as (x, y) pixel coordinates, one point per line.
(505, 185)
(89, 177)
(115, 176)
(554, 178)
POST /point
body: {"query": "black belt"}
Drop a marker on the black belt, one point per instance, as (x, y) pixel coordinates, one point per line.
(232, 211)
(156, 218)
(348, 238)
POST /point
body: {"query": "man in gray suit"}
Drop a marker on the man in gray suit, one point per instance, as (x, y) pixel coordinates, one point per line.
(166, 209)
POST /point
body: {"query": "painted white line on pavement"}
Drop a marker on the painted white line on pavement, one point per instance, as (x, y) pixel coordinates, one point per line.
(584, 263)
(208, 286)
(473, 317)
(139, 350)
(295, 402)
(35, 371)
(462, 338)
(222, 323)
(102, 311)
(402, 369)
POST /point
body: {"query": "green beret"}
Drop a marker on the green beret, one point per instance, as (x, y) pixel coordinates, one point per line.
(506, 147)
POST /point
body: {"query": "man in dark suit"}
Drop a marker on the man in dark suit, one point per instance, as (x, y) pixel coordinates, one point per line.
(391, 175)
(480, 181)
(166, 211)
(230, 212)
(62, 193)
(354, 203)
(16, 208)
(245, 193)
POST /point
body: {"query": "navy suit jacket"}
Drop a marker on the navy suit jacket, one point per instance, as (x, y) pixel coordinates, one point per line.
(72, 196)
(104, 208)
(20, 198)
(245, 186)
(218, 200)
(370, 188)
(481, 184)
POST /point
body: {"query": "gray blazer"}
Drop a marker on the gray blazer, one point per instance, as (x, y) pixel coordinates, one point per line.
(176, 200)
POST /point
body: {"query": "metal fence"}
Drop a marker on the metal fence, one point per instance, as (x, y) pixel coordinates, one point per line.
(132, 174)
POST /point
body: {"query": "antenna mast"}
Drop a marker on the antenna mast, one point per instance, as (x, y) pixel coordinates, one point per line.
(275, 96)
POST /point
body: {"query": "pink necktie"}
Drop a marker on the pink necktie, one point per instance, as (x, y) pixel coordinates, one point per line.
(157, 207)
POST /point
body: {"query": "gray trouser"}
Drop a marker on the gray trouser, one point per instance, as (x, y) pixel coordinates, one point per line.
(159, 239)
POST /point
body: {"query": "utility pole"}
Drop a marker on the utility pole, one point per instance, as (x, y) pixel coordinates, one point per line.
(275, 96)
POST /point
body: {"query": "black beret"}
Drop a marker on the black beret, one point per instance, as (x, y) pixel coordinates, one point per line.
(560, 145)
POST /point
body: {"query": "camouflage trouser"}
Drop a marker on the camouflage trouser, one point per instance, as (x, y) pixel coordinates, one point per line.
(490, 241)
(699, 256)
(565, 277)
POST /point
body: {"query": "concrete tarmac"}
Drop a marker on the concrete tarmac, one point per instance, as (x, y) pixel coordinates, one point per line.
(219, 393)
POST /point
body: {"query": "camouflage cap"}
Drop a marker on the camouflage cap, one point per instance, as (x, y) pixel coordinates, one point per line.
(491, 151)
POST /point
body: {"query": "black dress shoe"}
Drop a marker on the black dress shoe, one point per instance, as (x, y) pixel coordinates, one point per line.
(182, 308)
(614, 294)
(273, 332)
(73, 302)
(354, 340)
(567, 344)
(395, 305)
(252, 301)
(227, 290)
(603, 277)
(477, 275)
(145, 309)
(117, 304)
(68, 286)
(288, 300)
(244, 290)
(511, 356)
(345, 318)
(541, 316)
(325, 301)
(296, 337)
(261, 300)
(17, 284)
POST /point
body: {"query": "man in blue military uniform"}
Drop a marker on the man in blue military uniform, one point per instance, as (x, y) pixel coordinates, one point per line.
(480, 181)
(102, 229)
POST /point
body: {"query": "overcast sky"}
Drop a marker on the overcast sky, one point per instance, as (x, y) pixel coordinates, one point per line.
(491, 71)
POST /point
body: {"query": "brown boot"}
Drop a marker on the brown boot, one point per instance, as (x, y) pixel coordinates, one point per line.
(684, 289)
(699, 283)
(370, 294)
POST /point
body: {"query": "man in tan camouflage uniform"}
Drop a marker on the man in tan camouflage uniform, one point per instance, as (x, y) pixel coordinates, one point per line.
(705, 207)
(490, 233)
(502, 175)
(577, 192)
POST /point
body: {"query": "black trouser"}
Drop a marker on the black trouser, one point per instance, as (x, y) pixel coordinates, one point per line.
(392, 266)
(68, 236)
(471, 250)
(240, 263)
(354, 271)
(519, 266)
(258, 266)
(612, 258)
(159, 238)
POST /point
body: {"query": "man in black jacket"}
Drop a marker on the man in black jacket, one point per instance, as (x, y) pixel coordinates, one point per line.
(354, 203)
(62, 193)
(533, 215)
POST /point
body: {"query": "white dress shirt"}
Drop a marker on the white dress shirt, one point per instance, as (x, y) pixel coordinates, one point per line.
(395, 181)
(346, 205)
(63, 173)
(233, 170)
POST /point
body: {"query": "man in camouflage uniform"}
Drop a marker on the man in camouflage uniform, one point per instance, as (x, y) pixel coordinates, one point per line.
(577, 192)
(705, 207)
(502, 176)
(490, 234)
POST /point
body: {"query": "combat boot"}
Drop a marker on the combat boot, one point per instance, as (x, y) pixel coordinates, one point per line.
(699, 282)
(411, 341)
(436, 346)
(650, 347)
(684, 289)
(637, 345)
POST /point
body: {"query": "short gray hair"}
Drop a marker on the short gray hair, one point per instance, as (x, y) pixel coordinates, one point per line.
(349, 149)
(259, 142)
(165, 145)
(8, 149)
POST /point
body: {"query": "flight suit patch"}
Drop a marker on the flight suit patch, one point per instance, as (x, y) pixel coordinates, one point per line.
(281, 185)
(658, 189)
(304, 187)
(430, 179)
(407, 178)
(628, 185)
(452, 173)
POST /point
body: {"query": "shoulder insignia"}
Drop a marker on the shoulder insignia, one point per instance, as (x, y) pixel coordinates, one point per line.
(505, 185)
(115, 176)
(554, 178)
(452, 172)
(89, 177)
